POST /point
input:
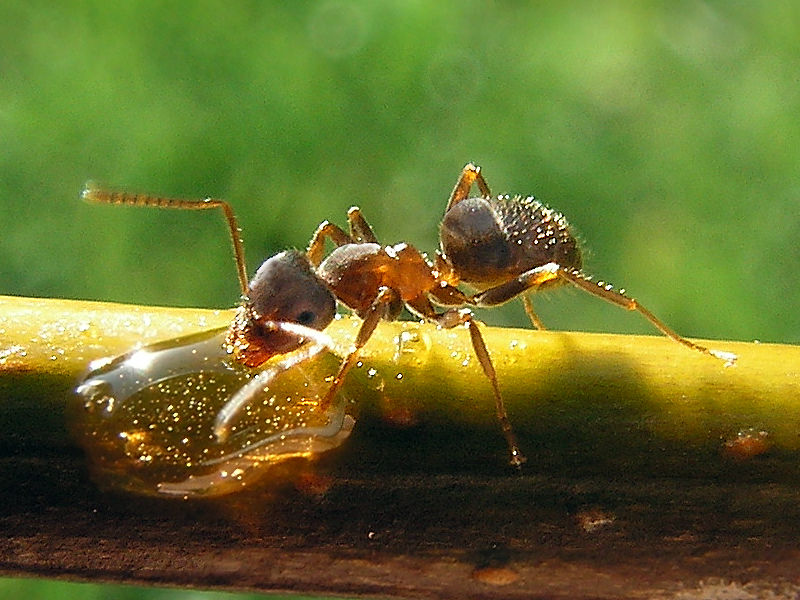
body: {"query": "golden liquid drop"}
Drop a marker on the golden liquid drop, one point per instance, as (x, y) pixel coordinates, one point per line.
(146, 418)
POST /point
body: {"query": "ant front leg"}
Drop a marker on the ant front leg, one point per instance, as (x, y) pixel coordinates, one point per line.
(458, 316)
(360, 230)
(325, 230)
(469, 175)
(258, 383)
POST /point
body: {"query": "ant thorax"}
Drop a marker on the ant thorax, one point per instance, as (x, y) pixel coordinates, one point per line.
(357, 272)
(487, 241)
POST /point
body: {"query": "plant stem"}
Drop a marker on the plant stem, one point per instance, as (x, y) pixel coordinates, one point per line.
(619, 395)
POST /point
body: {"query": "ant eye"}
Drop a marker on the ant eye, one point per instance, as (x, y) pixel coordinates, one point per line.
(306, 317)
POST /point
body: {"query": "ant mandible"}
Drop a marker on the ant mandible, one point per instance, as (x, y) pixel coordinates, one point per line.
(502, 246)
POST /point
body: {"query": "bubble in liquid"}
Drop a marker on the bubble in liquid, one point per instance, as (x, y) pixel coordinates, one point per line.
(409, 343)
(146, 418)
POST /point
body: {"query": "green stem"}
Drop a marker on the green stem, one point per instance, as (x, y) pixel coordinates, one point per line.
(576, 400)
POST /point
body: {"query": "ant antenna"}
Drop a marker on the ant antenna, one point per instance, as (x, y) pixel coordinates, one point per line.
(92, 194)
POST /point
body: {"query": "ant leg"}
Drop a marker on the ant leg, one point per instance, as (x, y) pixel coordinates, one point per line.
(445, 271)
(527, 281)
(325, 230)
(469, 175)
(91, 194)
(260, 381)
(479, 346)
(606, 292)
(534, 278)
(360, 230)
(452, 318)
(377, 311)
(535, 320)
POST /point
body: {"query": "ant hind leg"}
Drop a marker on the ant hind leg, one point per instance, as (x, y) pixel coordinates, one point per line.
(469, 175)
(479, 346)
(530, 280)
(606, 292)
(529, 310)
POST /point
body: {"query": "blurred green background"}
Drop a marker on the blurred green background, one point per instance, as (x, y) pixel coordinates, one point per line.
(667, 132)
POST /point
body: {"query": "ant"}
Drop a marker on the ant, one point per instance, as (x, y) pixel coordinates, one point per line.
(502, 246)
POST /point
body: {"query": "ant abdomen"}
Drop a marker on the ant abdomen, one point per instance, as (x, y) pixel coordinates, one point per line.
(487, 241)
(475, 244)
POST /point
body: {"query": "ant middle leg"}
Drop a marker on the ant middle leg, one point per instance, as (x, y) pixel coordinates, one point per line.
(470, 174)
(373, 315)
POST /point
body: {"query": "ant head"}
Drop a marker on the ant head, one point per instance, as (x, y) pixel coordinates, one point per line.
(287, 289)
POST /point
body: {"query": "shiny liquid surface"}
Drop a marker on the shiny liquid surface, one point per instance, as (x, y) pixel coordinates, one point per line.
(146, 419)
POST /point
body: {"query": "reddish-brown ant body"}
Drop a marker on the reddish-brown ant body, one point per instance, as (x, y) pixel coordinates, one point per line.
(502, 246)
